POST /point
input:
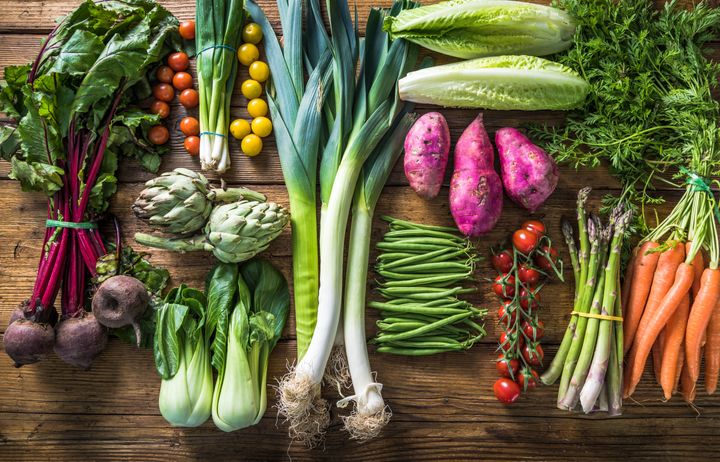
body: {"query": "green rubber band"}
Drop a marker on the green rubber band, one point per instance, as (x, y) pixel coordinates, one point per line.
(223, 47)
(70, 224)
(701, 184)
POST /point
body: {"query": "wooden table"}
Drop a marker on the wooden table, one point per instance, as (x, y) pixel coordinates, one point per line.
(443, 406)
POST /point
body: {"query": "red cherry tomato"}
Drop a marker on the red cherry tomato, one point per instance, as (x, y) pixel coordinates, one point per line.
(507, 367)
(537, 226)
(506, 391)
(158, 134)
(542, 261)
(187, 30)
(163, 92)
(533, 331)
(160, 108)
(533, 354)
(178, 61)
(190, 126)
(182, 81)
(192, 145)
(525, 241)
(527, 379)
(507, 339)
(504, 286)
(528, 274)
(189, 98)
(503, 261)
(164, 74)
(529, 299)
(506, 316)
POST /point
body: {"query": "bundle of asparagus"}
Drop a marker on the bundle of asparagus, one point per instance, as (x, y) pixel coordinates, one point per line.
(589, 361)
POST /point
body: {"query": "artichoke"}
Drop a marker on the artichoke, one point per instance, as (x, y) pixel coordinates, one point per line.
(234, 233)
(180, 202)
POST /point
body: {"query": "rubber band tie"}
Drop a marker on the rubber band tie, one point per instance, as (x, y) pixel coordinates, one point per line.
(70, 224)
(603, 317)
(701, 184)
(211, 47)
(212, 133)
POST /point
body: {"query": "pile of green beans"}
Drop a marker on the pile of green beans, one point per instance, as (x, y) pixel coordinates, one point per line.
(424, 269)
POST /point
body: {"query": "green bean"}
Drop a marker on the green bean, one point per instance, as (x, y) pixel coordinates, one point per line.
(411, 225)
(446, 253)
(416, 309)
(396, 256)
(408, 247)
(424, 267)
(412, 351)
(400, 326)
(427, 344)
(423, 233)
(438, 280)
(426, 240)
(428, 293)
(426, 328)
(446, 302)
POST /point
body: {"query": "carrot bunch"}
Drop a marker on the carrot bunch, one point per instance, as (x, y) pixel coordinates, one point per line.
(672, 297)
(589, 360)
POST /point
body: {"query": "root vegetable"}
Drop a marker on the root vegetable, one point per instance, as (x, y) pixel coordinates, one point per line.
(120, 301)
(529, 174)
(27, 341)
(79, 340)
(475, 189)
(427, 146)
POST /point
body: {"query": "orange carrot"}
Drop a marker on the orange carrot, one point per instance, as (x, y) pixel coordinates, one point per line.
(657, 355)
(699, 265)
(680, 364)
(642, 278)
(673, 347)
(700, 313)
(627, 282)
(712, 351)
(654, 319)
(687, 386)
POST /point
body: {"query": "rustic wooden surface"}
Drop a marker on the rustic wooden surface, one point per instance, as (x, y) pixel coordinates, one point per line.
(443, 407)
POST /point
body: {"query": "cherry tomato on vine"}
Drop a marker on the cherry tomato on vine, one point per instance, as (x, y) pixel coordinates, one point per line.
(537, 226)
(187, 29)
(542, 261)
(164, 74)
(507, 367)
(529, 299)
(506, 319)
(527, 379)
(504, 286)
(503, 261)
(160, 108)
(178, 61)
(506, 391)
(163, 92)
(535, 332)
(508, 338)
(182, 81)
(528, 274)
(533, 354)
(525, 241)
(189, 98)
(190, 126)
(192, 145)
(158, 134)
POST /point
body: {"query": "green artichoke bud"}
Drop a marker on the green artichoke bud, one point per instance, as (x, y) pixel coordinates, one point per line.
(234, 233)
(180, 202)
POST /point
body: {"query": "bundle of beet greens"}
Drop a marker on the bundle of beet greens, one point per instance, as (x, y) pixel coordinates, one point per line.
(73, 120)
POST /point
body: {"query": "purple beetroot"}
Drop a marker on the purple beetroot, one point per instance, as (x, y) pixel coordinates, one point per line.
(529, 174)
(121, 301)
(80, 339)
(476, 197)
(427, 146)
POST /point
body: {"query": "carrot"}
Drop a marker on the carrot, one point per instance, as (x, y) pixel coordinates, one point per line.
(700, 313)
(673, 347)
(642, 278)
(657, 355)
(712, 351)
(699, 265)
(655, 318)
(687, 386)
(628, 280)
(680, 364)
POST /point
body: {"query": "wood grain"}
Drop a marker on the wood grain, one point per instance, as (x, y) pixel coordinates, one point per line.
(443, 405)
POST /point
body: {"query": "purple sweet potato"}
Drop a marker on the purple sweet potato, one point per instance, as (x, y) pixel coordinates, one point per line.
(427, 146)
(476, 196)
(529, 174)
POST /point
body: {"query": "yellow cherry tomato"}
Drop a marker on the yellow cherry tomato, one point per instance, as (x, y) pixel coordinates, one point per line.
(257, 108)
(252, 33)
(248, 53)
(251, 145)
(259, 71)
(251, 89)
(239, 128)
(261, 126)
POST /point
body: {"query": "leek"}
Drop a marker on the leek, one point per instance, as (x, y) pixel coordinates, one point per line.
(370, 414)
(219, 29)
(375, 108)
(296, 111)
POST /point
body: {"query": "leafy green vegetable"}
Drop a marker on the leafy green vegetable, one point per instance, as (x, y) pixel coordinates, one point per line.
(522, 83)
(479, 28)
(650, 107)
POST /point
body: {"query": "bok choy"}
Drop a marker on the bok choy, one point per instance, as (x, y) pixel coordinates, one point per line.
(479, 28)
